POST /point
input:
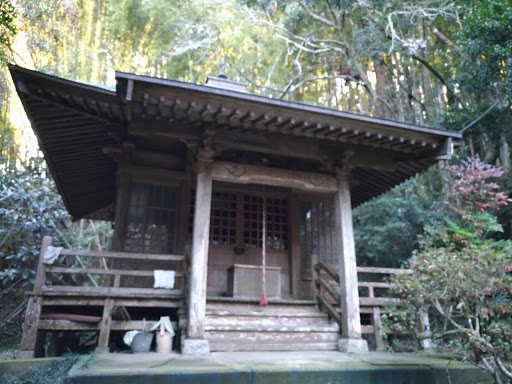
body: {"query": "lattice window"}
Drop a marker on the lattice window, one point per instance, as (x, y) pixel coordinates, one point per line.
(223, 219)
(276, 222)
(252, 208)
(236, 220)
(318, 234)
(151, 221)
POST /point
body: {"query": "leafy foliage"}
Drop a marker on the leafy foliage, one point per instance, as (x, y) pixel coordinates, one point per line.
(470, 207)
(386, 229)
(7, 29)
(29, 203)
(468, 293)
(463, 279)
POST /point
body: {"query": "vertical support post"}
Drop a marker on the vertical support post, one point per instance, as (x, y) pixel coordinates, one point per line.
(294, 246)
(123, 194)
(105, 325)
(351, 321)
(33, 312)
(195, 343)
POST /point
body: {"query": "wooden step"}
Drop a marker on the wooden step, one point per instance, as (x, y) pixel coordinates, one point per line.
(257, 314)
(271, 340)
(256, 310)
(263, 322)
(272, 336)
(266, 327)
(254, 347)
(238, 326)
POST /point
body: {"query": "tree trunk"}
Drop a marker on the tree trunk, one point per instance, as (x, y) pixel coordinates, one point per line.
(382, 86)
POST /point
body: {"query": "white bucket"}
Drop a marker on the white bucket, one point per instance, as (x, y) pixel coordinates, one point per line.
(163, 340)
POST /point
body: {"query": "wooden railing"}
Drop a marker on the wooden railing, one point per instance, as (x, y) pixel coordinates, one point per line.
(81, 279)
(102, 280)
(331, 302)
(374, 294)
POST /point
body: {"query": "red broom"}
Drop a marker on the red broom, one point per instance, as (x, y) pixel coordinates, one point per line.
(263, 300)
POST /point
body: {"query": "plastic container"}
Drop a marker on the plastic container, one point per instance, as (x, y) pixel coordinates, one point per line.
(141, 342)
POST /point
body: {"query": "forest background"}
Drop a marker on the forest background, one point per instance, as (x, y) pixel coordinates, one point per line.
(437, 63)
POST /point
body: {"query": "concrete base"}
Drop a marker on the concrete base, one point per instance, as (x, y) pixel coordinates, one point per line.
(195, 347)
(101, 350)
(307, 367)
(357, 346)
(24, 354)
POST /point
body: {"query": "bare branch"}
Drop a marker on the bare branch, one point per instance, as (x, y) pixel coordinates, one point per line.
(310, 50)
(317, 17)
(441, 36)
(267, 82)
(329, 77)
(339, 26)
(436, 73)
(247, 79)
(502, 367)
(488, 366)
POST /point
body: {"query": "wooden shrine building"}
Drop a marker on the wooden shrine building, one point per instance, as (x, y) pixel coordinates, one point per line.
(187, 171)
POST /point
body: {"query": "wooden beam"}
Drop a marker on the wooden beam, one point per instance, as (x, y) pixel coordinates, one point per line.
(254, 174)
(123, 255)
(150, 293)
(287, 146)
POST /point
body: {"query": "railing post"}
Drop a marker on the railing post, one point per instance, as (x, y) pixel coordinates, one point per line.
(29, 338)
(426, 342)
(315, 275)
(41, 266)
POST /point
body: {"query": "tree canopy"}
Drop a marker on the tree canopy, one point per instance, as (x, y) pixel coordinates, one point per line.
(434, 62)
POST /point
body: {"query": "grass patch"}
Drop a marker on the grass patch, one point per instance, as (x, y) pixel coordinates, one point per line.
(54, 372)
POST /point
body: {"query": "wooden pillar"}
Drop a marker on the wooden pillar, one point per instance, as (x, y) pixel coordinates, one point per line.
(33, 312)
(123, 194)
(351, 321)
(195, 343)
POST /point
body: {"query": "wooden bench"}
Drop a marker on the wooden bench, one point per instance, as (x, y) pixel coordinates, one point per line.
(102, 283)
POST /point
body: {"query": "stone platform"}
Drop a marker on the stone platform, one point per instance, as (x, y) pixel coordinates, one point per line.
(274, 367)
